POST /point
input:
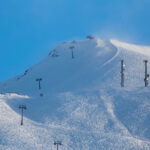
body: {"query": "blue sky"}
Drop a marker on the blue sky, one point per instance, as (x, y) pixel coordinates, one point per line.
(29, 29)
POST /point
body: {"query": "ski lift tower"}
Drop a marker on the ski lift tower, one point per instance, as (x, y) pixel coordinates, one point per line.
(146, 74)
(39, 80)
(72, 47)
(58, 143)
(122, 73)
(22, 107)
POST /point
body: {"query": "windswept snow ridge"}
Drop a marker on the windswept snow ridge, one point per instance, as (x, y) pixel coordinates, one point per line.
(80, 102)
(145, 50)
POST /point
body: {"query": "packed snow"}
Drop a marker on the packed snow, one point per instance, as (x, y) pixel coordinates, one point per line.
(81, 102)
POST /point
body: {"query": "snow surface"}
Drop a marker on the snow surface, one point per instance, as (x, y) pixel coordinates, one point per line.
(83, 104)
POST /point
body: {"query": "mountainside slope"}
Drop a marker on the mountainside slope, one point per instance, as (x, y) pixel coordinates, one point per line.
(83, 104)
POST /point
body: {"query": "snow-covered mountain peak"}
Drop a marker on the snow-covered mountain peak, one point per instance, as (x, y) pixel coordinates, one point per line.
(74, 96)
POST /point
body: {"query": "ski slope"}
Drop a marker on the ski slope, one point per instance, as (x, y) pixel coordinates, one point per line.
(83, 104)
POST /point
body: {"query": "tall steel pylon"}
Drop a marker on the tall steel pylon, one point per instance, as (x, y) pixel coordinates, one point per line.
(146, 74)
(39, 80)
(122, 73)
(22, 107)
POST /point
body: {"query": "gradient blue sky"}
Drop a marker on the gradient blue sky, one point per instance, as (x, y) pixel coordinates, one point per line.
(29, 29)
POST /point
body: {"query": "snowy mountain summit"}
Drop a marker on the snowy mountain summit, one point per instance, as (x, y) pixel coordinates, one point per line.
(74, 97)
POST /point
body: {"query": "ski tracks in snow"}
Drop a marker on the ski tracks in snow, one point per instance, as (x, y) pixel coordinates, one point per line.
(120, 127)
(114, 55)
